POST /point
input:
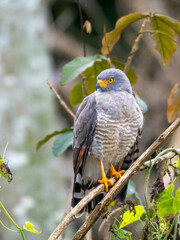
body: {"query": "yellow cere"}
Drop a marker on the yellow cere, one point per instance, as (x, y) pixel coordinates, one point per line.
(105, 83)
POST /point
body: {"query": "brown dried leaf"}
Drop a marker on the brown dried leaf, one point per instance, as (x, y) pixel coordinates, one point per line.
(174, 103)
(6, 172)
(110, 39)
(87, 25)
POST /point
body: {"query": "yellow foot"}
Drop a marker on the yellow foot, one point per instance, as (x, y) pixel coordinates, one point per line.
(104, 179)
(106, 182)
(114, 173)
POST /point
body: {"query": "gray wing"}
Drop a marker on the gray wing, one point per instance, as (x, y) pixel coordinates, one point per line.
(84, 128)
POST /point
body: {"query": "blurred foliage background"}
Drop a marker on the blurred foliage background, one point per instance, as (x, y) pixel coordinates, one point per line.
(36, 39)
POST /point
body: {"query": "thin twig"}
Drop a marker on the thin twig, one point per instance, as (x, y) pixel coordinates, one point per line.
(106, 223)
(113, 192)
(135, 47)
(72, 214)
(167, 156)
(124, 180)
(68, 208)
(61, 101)
(82, 30)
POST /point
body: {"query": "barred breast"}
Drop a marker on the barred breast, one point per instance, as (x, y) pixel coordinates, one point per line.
(118, 122)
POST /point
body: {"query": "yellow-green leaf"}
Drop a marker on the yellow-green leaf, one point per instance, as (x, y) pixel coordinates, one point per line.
(177, 165)
(174, 103)
(76, 94)
(130, 74)
(133, 216)
(164, 35)
(167, 205)
(171, 22)
(110, 39)
(30, 227)
(176, 203)
(91, 73)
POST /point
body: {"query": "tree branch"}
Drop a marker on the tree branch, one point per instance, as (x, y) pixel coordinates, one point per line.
(113, 192)
(135, 46)
(61, 101)
(124, 180)
(171, 154)
(72, 214)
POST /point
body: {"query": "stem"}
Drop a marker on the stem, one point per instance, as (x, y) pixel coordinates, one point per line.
(172, 225)
(157, 32)
(5, 150)
(82, 31)
(135, 47)
(11, 230)
(10, 218)
(175, 228)
(61, 101)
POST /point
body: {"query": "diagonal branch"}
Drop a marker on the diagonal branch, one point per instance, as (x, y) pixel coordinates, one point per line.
(124, 180)
(61, 101)
(135, 47)
(113, 192)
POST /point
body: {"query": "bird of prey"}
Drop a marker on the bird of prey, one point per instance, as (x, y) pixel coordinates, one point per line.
(106, 129)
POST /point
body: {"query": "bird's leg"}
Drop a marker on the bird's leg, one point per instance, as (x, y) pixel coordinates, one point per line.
(114, 173)
(104, 179)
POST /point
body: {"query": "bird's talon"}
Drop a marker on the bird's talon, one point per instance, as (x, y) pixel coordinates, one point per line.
(116, 174)
(106, 182)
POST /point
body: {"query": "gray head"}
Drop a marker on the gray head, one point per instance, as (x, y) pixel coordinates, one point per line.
(113, 80)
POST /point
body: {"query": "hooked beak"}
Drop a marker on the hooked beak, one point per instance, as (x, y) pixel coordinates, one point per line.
(103, 83)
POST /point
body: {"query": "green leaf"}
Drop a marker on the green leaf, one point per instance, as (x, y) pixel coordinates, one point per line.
(130, 217)
(121, 233)
(72, 69)
(112, 203)
(177, 165)
(62, 143)
(49, 136)
(176, 204)
(91, 73)
(165, 202)
(76, 94)
(143, 106)
(131, 191)
(130, 74)
(110, 39)
(165, 30)
(30, 227)
(1, 160)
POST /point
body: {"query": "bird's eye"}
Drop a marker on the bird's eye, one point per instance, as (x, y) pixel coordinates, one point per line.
(110, 80)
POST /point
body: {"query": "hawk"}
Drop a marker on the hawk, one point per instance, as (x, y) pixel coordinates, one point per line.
(106, 129)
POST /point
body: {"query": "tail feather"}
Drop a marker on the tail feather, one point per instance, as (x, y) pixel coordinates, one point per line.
(80, 189)
(78, 192)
